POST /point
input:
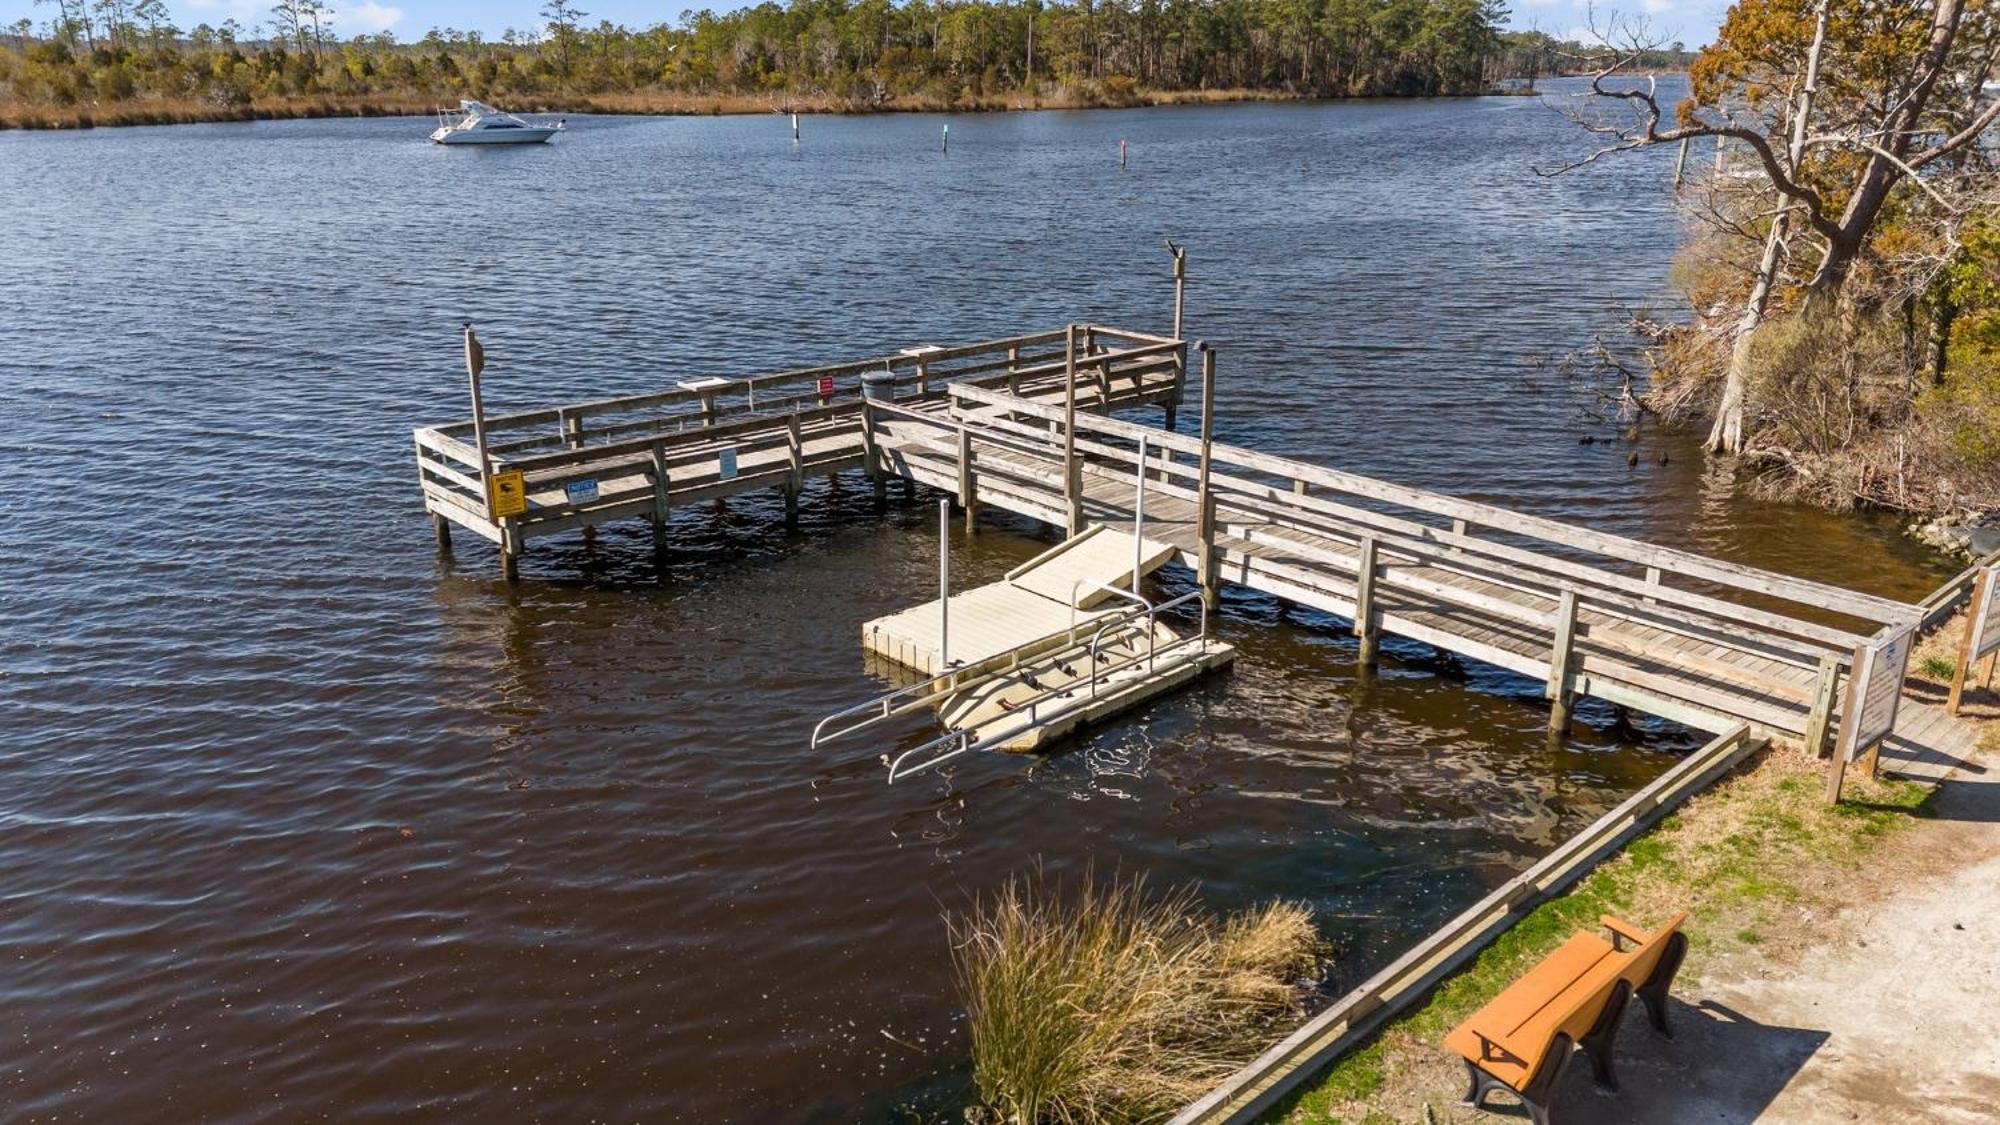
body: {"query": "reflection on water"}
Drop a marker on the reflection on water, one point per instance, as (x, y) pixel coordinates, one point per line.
(300, 819)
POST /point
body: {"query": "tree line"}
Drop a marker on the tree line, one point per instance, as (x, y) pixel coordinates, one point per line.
(843, 54)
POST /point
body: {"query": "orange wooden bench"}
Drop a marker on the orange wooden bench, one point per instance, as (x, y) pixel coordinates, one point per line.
(1522, 1040)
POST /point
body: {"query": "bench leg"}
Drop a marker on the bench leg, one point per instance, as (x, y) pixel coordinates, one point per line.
(1600, 1041)
(1481, 1084)
(1654, 991)
(1539, 1098)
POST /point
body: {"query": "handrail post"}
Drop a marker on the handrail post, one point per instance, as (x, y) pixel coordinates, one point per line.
(1014, 370)
(1968, 650)
(1825, 690)
(1850, 726)
(968, 496)
(1204, 504)
(1072, 478)
(1558, 688)
(1365, 625)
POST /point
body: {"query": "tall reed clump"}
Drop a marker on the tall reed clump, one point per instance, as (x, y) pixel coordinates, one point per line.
(1104, 1003)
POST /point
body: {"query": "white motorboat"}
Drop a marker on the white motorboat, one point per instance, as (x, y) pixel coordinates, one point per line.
(477, 123)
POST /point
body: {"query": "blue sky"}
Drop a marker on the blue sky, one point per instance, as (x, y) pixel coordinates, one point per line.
(1692, 21)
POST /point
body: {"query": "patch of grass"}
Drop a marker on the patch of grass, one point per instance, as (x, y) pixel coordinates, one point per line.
(1942, 668)
(1762, 836)
(1103, 1002)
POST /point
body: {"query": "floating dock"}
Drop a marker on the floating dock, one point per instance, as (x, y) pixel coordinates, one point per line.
(1064, 640)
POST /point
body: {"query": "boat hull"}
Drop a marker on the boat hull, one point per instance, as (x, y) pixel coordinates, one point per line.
(529, 136)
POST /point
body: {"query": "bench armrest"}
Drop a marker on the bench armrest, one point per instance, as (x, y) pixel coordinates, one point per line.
(1622, 930)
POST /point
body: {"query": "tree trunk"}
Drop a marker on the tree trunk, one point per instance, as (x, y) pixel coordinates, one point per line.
(1726, 435)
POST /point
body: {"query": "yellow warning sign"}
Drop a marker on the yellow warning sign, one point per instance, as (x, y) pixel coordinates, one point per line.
(510, 493)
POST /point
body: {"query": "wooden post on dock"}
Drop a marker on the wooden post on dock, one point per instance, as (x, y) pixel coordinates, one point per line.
(1014, 370)
(1826, 688)
(923, 377)
(1850, 724)
(795, 450)
(662, 505)
(572, 428)
(1365, 625)
(1180, 285)
(1561, 699)
(871, 455)
(510, 535)
(1204, 501)
(1968, 650)
(968, 496)
(1680, 163)
(1072, 472)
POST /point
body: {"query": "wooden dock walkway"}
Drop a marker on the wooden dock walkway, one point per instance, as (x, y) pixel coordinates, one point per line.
(1027, 424)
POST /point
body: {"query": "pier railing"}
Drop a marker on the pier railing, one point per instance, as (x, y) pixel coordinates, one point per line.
(584, 463)
(1587, 609)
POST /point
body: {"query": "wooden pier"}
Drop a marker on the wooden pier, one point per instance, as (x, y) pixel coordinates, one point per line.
(1027, 424)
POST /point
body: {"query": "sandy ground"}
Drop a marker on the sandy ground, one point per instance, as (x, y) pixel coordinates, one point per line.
(1891, 1012)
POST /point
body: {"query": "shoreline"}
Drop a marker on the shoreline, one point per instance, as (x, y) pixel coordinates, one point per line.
(648, 104)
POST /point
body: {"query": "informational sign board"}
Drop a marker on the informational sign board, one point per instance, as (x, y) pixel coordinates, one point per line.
(509, 493)
(728, 457)
(580, 491)
(826, 384)
(1877, 691)
(1985, 624)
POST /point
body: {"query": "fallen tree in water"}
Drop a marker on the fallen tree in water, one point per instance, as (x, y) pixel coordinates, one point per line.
(1102, 1003)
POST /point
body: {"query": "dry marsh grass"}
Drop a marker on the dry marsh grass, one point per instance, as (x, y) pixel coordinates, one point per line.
(1103, 1002)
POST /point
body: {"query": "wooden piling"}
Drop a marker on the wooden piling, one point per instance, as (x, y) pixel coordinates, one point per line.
(1561, 699)
(1072, 475)
(1366, 626)
(662, 505)
(1204, 506)
(1826, 688)
(871, 456)
(795, 483)
(1014, 370)
(441, 527)
(968, 497)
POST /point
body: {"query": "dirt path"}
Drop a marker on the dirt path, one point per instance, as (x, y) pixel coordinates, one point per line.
(1889, 1012)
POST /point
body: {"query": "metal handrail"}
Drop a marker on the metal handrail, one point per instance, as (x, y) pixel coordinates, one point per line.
(1118, 591)
(916, 695)
(1152, 637)
(962, 741)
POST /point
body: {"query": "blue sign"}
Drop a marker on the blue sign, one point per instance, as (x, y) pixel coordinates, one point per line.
(581, 491)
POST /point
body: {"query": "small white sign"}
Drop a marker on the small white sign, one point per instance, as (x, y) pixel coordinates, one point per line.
(581, 491)
(728, 461)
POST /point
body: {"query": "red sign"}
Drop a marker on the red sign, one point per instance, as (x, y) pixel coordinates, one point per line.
(826, 384)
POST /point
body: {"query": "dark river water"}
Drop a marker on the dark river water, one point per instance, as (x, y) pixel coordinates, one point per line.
(299, 819)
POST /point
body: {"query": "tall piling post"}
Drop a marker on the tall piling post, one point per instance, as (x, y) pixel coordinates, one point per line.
(510, 534)
(1366, 627)
(1204, 502)
(1180, 353)
(968, 484)
(795, 481)
(1561, 657)
(662, 506)
(1072, 473)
